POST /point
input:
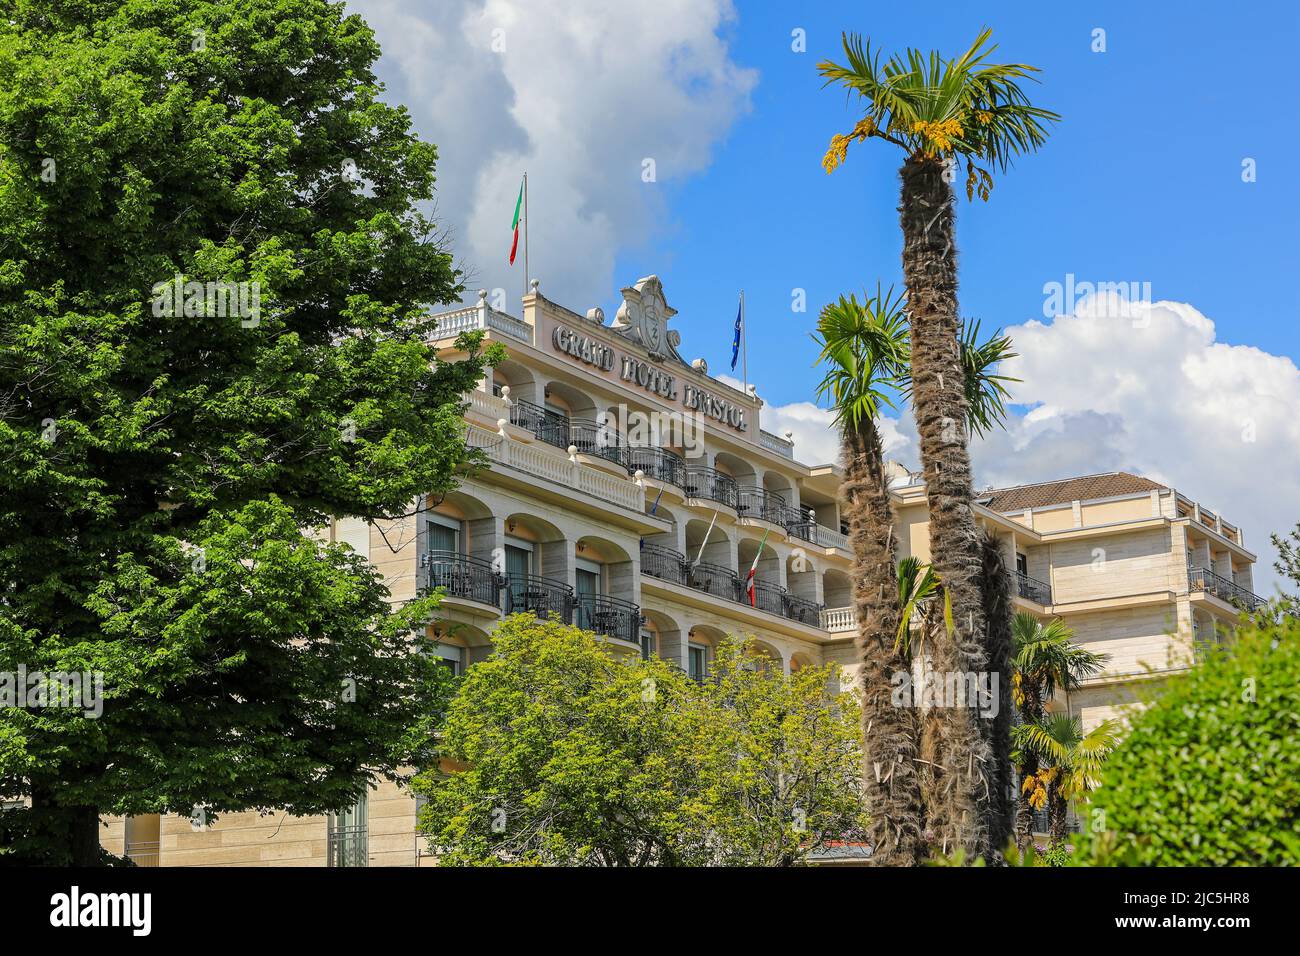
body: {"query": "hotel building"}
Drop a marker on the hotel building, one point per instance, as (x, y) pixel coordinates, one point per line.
(629, 492)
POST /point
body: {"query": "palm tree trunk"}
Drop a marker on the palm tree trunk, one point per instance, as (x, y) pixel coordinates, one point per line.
(996, 723)
(1056, 808)
(961, 803)
(1024, 812)
(891, 784)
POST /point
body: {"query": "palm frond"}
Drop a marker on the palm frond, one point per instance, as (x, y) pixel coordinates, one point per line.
(864, 347)
(940, 108)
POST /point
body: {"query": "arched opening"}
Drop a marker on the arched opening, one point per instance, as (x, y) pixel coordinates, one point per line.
(522, 385)
(605, 585)
(837, 589)
(459, 645)
(765, 656)
(702, 642)
(662, 636)
(538, 565)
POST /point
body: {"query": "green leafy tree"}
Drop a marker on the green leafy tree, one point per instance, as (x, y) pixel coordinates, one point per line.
(562, 753)
(1209, 773)
(939, 112)
(1288, 566)
(160, 453)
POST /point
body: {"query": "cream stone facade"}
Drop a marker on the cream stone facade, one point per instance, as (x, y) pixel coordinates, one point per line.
(629, 492)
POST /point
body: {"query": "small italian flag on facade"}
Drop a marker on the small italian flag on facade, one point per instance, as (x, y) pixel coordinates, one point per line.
(750, 589)
(514, 245)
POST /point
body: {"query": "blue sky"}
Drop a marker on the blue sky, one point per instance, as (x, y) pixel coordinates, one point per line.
(1141, 181)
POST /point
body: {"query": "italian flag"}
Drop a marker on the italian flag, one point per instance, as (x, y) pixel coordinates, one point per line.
(753, 570)
(514, 246)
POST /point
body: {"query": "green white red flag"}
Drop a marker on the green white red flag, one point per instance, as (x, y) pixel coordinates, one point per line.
(514, 245)
(750, 590)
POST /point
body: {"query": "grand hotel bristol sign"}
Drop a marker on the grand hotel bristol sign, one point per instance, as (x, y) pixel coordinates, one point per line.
(643, 318)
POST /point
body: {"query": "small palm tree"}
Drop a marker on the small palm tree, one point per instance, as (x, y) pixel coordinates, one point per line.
(941, 112)
(1070, 761)
(1045, 659)
(863, 346)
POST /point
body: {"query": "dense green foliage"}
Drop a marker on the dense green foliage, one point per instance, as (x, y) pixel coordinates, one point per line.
(566, 754)
(1209, 773)
(146, 142)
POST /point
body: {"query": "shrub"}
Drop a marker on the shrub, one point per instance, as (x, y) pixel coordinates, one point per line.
(1209, 774)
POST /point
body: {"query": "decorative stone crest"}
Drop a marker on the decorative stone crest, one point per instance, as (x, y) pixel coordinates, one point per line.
(643, 318)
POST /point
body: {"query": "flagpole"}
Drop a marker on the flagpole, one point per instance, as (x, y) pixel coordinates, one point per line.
(744, 343)
(525, 232)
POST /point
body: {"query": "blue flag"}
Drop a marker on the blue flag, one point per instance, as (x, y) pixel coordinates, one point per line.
(735, 342)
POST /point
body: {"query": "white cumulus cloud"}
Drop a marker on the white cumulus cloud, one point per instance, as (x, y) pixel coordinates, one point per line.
(1153, 393)
(580, 94)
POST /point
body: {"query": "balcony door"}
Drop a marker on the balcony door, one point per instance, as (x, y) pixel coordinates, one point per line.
(587, 579)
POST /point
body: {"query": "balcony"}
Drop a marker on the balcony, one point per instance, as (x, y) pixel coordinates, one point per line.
(754, 502)
(546, 425)
(464, 577)
(610, 616)
(598, 440)
(657, 464)
(838, 620)
(668, 565)
(713, 579)
(663, 563)
(143, 852)
(481, 316)
(1031, 589)
(711, 485)
(544, 597)
(1206, 581)
(347, 846)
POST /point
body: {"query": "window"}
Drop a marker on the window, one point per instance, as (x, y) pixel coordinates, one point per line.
(443, 534)
(1022, 563)
(697, 661)
(347, 843)
(647, 645)
(451, 657)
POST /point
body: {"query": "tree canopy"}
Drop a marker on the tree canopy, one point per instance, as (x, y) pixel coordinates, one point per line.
(216, 266)
(567, 754)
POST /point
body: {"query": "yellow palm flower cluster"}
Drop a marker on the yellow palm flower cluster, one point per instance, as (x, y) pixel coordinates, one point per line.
(939, 132)
(839, 147)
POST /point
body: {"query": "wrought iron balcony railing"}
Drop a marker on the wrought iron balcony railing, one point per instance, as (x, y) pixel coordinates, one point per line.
(803, 610)
(461, 576)
(713, 579)
(548, 426)
(755, 502)
(610, 616)
(767, 597)
(657, 464)
(711, 485)
(1203, 579)
(597, 439)
(545, 597)
(663, 563)
(347, 846)
(143, 852)
(1032, 589)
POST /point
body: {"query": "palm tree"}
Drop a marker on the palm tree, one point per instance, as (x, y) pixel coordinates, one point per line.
(1071, 763)
(1045, 659)
(939, 111)
(863, 345)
